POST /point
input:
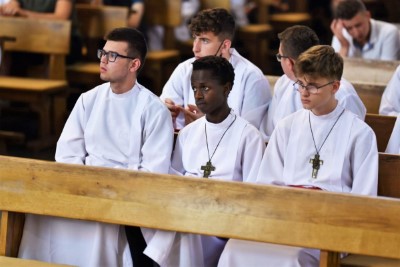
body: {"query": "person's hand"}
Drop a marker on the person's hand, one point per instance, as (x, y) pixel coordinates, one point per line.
(192, 113)
(12, 8)
(337, 30)
(174, 109)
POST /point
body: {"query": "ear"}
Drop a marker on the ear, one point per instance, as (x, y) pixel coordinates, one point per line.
(226, 46)
(335, 87)
(135, 65)
(227, 89)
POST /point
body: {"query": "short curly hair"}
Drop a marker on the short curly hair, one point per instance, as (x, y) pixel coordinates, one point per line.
(216, 20)
(220, 68)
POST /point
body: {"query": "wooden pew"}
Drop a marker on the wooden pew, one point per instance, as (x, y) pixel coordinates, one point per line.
(332, 222)
(382, 126)
(369, 71)
(47, 95)
(369, 78)
(14, 262)
(389, 186)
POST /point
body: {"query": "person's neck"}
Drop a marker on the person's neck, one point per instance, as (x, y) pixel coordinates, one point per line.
(328, 108)
(227, 55)
(121, 88)
(219, 116)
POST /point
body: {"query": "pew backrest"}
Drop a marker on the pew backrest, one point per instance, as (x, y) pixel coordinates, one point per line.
(369, 71)
(382, 126)
(328, 221)
(43, 36)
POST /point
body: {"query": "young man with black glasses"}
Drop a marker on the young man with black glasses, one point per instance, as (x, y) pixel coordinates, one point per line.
(118, 124)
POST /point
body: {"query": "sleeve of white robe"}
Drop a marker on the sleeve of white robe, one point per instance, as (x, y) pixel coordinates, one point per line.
(393, 146)
(364, 160)
(271, 168)
(251, 153)
(71, 144)
(173, 89)
(158, 139)
(351, 100)
(256, 98)
(390, 102)
(176, 162)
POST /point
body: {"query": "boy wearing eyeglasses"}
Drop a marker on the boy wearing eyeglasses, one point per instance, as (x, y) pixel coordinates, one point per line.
(118, 124)
(213, 31)
(286, 100)
(322, 146)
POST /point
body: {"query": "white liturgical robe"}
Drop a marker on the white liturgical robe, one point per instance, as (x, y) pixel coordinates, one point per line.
(393, 146)
(350, 165)
(390, 101)
(249, 98)
(237, 157)
(287, 100)
(132, 130)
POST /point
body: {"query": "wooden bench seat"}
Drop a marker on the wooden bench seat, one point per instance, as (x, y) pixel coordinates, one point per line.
(333, 222)
(14, 262)
(382, 126)
(45, 95)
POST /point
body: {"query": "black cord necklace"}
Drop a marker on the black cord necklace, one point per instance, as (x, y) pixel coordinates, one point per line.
(208, 168)
(316, 162)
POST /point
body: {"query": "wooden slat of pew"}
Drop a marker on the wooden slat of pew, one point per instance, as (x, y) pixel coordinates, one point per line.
(43, 36)
(6, 136)
(382, 126)
(369, 71)
(14, 262)
(329, 221)
(370, 94)
(388, 186)
(47, 95)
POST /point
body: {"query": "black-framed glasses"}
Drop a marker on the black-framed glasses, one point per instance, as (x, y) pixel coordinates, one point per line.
(279, 57)
(312, 89)
(111, 56)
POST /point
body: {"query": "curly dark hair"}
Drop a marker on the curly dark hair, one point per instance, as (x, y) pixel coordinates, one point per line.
(215, 20)
(220, 68)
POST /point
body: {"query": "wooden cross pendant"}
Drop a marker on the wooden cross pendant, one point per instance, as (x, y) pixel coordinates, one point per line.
(316, 163)
(207, 169)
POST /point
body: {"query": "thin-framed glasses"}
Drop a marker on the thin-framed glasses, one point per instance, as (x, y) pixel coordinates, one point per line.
(111, 56)
(312, 89)
(279, 57)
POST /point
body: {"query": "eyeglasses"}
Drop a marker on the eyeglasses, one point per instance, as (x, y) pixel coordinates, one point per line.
(111, 56)
(279, 57)
(312, 89)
